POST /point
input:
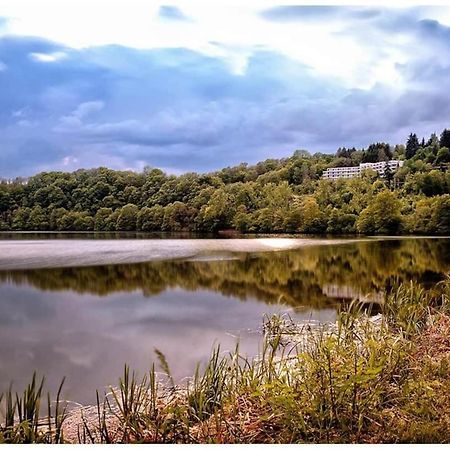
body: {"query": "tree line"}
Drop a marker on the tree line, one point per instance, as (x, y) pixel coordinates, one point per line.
(273, 196)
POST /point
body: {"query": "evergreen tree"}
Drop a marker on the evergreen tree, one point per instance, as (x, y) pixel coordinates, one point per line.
(388, 175)
(377, 152)
(445, 139)
(412, 145)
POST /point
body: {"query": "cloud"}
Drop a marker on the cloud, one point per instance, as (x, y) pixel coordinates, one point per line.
(69, 160)
(317, 13)
(190, 110)
(172, 13)
(86, 108)
(31, 153)
(3, 22)
(48, 57)
(74, 119)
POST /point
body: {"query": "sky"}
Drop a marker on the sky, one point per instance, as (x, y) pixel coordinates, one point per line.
(196, 86)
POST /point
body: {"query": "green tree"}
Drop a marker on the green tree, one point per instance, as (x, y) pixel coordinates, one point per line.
(20, 218)
(293, 220)
(421, 220)
(127, 218)
(441, 215)
(242, 220)
(341, 223)
(111, 221)
(98, 192)
(429, 183)
(218, 212)
(382, 216)
(276, 195)
(38, 219)
(111, 202)
(443, 156)
(55, 215)
(377, 152)
(177, 217)
(150, 219)
(263, 220)
(5, 200)
(444, 141)
(65, 222)
(83, 221)
(312, 220)
(388, 176)
(412, 146)
(50, 195)
(101, 219)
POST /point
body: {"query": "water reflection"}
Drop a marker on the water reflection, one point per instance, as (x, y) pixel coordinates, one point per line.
(86, 322)
(314, 277)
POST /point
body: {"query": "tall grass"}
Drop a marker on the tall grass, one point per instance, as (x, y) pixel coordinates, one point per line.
(22, 421)
(353, 381)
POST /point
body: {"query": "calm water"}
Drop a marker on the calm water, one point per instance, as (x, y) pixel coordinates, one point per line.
(86, 322)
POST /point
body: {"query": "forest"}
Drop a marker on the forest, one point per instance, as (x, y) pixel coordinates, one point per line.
(273, 196)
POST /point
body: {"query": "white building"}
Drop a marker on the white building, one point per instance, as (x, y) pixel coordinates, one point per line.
(15, 180)
(333, 173)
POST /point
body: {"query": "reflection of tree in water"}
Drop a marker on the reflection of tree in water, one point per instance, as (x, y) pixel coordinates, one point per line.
(311, 276)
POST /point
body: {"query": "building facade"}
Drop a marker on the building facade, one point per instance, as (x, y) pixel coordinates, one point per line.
(334, 173)
(15, 180)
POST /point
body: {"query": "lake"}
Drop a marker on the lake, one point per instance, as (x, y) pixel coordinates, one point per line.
(81, 307)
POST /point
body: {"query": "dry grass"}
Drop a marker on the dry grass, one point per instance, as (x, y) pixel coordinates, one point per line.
(434, 342)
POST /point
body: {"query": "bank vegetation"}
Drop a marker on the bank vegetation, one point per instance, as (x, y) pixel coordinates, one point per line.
(273, 196)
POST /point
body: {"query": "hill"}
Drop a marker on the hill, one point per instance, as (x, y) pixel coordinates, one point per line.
(273, 196)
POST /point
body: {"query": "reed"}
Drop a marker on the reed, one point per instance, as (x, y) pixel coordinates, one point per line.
(22, 415)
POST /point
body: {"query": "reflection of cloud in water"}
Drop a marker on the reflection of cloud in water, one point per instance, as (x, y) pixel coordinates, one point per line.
(89, 341)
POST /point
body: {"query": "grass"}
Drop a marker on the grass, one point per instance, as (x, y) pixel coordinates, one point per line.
(365, 379)
(22, 421)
